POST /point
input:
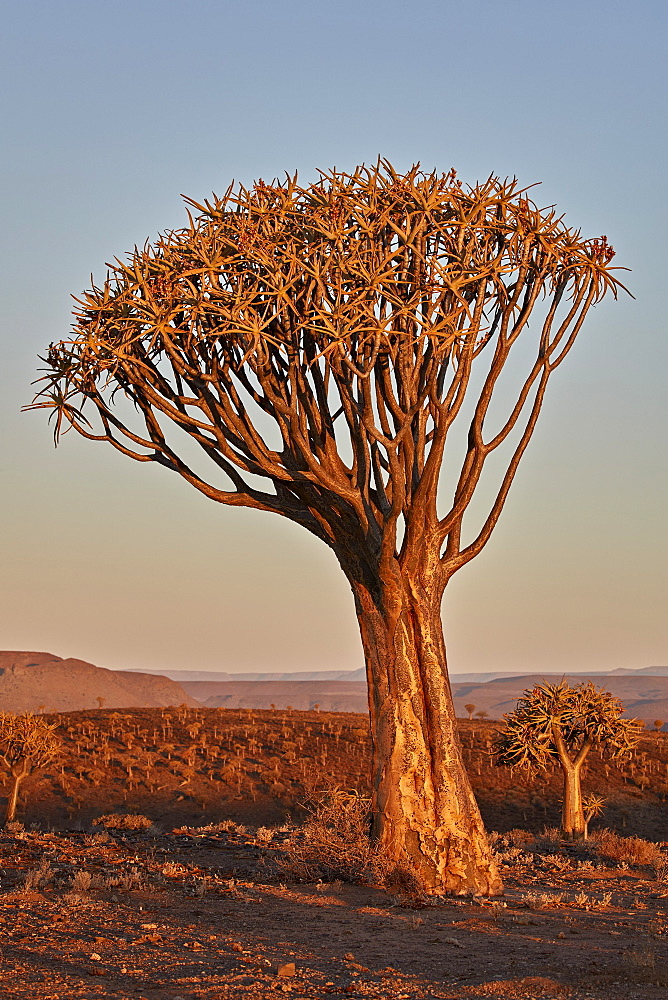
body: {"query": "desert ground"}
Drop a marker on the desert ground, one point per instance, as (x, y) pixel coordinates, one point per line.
(208, 898)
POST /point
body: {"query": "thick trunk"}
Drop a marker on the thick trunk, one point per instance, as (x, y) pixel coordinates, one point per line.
(425, 814)
(13, 798)
(572, 821)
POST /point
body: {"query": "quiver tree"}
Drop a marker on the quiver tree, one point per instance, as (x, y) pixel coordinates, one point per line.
(27, 743)
(320, 346)
(563, 724)
(592, 806)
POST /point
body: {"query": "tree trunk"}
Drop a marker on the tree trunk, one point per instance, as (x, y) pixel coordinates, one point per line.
(13, 798)
(572, 819)
(424, 812)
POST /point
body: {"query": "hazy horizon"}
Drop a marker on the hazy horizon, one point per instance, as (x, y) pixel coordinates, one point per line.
(109, 118)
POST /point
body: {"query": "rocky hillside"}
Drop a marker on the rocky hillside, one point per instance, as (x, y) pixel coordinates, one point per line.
(33, 682)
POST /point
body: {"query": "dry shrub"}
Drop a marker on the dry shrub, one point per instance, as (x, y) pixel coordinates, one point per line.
(82, 881)
(520, 838)
(551, 839)
(632, 850)
(97, 838)
(334, 841)
(123, 821)
(39, 876)
(14, 828)
(592, 903)
(335, 844)
(543, 900)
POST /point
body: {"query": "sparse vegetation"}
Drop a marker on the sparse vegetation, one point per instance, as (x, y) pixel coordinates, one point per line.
(254, 767)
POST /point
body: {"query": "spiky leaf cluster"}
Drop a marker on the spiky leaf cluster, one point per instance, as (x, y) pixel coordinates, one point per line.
(317, 343)
(555, 719)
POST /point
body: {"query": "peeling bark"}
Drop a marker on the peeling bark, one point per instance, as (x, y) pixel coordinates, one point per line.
(425, 813)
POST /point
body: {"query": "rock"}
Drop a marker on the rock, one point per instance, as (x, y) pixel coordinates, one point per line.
(286, 970)
(349, 957)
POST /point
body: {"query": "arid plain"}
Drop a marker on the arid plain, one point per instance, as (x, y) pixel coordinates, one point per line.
(209, 896)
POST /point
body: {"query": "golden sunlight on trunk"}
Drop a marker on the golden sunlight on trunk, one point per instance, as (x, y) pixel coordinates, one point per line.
(573, 820)
(425, 813)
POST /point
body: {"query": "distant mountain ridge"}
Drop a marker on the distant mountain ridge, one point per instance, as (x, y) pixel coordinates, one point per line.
(42, 681)
(32, 682)
(222, 676)
(191, 676)
(644, 696)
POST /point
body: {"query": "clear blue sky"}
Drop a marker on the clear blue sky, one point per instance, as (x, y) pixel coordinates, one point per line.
(111, 110)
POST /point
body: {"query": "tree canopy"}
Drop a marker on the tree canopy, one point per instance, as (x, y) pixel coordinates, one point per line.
(563, 723)
(351, 313)
(27, 743)
(551, 720)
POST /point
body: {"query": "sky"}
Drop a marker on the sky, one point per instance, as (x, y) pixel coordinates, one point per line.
(113, 110)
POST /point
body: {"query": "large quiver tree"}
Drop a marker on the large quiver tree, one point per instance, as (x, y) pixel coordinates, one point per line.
(319, 345)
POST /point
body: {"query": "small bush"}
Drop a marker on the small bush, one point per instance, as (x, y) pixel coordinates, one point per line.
(39, 876)
(334, 844)
(632, 850)
(97, 838)
(123, 821)
(584, 902)
(520, 838)
(543, 900)
(549, 840)
(82, 881)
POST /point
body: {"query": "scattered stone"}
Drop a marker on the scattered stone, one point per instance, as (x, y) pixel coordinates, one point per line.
(452, 941)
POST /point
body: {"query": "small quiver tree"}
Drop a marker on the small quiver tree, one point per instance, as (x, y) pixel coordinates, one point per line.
(563, 723)
(27, 743)
(593, 805)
